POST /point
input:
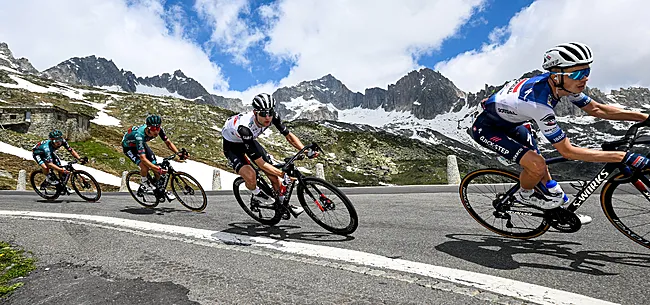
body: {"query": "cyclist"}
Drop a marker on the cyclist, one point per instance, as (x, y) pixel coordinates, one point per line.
(134, 146)
(239, 139)
(500, 126)
(44, 154)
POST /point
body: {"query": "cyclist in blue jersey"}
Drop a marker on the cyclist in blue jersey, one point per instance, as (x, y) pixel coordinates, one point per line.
(134, 146)
(239, 140)
(500, 126)
(44, 154)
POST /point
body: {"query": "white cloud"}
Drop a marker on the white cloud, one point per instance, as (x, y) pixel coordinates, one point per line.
(230, 33)
(136, 37)
(617, 32)
(364, 43)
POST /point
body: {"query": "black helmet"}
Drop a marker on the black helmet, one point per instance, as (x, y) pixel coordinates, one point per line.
(263, 101)
(154, 120)
(55, 134)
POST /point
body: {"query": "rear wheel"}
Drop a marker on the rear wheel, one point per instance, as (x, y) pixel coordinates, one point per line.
(146, 199)
(479, 191)
(86, 186)
(327, 206)
(627, 206)
(43, 188)
(188, 191)
(267, 214)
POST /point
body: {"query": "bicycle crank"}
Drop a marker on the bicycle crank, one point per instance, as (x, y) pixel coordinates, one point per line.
(563, 220)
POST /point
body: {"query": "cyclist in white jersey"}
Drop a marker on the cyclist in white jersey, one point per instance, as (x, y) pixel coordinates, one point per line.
(499, 127)
(239, 140)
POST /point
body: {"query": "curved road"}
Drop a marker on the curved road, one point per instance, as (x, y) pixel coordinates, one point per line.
(114, 251)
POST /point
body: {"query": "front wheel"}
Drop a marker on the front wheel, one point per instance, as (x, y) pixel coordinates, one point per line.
(265, 213)
(327, 206)
(86, 186)
(48, 191)
(481, 189)
(627, 206)
(144, 198)
(189, 192)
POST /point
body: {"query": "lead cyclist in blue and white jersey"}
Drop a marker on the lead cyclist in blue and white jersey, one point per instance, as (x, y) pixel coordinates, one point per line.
(499, 127)
(239, 139)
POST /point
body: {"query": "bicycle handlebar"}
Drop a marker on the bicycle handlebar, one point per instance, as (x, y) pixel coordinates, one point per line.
(300, 155)
(626, 142)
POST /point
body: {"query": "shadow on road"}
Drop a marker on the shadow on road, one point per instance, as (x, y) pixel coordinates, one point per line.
(283, 232)
(498, 253)
(65, 201)
(151, 211)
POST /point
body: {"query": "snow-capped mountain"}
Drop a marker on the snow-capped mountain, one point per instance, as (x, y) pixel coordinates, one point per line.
(7, 60)
(99, 72)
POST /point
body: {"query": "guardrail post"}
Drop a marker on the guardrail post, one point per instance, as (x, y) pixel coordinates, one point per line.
(22, 177)
(123, 187)
(216, 179)
(453, 175)
(320, 172)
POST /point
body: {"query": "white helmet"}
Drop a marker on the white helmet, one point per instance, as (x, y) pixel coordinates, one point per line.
(263, 101)
(567, 55)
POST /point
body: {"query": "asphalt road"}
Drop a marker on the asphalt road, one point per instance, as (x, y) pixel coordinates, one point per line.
(88, 262)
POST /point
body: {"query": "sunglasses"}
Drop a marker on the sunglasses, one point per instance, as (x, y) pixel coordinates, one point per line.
(57, 141)
(266, 113)
(154, 128)
(577, 75)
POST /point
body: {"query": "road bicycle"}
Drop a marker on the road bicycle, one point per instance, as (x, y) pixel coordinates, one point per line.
(488, 196)
(185, 188)
(82, 182)
(322, 201)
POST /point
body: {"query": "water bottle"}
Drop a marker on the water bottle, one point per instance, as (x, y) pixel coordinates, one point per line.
(554, 188)
(283, 187)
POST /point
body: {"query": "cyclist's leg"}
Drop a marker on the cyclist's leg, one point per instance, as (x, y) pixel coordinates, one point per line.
(152, 158)
(38, 157)
(534, 165)
(236, 156)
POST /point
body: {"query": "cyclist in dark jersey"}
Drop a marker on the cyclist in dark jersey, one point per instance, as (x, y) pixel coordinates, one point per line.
(500, 128)
(44, 154)
(239, 140)
(134, 146)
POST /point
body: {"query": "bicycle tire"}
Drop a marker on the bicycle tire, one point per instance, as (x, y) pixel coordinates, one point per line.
(81, 173)
(257, 215)
(178, 177)
(142, 200)
(500, 179)
(323, 205)
(629, 213)
(44, 195)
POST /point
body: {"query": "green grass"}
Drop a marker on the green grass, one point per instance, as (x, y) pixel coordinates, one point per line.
(14, 263)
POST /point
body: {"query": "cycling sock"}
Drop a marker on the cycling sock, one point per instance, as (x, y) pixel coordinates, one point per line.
(526, 192)
(144, 179)
(256, 191)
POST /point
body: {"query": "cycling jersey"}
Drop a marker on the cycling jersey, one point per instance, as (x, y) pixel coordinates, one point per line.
(239, 134)
(137, 138)
(243, 127)
(44, 150)
(530, 99)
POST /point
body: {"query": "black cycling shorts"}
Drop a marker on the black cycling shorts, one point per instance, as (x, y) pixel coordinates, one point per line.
(236, 154)
(511, 142)
(132, 153)
(42, 157)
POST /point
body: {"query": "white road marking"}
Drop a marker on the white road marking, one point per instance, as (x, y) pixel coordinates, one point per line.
(503, 286)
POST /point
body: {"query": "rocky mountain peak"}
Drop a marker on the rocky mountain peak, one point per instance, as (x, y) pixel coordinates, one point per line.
(21, 64)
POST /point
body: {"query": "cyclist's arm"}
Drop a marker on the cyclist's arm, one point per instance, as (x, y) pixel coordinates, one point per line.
(610, 112)
(294, 141)
(171, 146)
(74, 154)
(571, 152)
(268, 168)
(292, 138)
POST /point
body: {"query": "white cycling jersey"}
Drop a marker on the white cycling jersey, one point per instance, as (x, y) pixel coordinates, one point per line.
(531, 99)
(232, 126)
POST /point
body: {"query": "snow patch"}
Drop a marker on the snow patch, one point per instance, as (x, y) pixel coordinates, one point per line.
(157, 91)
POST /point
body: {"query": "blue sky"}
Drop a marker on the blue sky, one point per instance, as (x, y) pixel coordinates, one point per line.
(471, 35)
(237, 48)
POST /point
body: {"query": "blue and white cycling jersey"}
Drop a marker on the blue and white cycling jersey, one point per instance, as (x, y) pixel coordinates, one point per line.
(531, 99)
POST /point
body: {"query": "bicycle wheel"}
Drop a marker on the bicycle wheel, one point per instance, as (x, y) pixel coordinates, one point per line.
(188, 191)
(266, 215)
(327, 206)
(146, 199)
(86, 186)
(480, 188)
(627, 206)
(44, 189)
